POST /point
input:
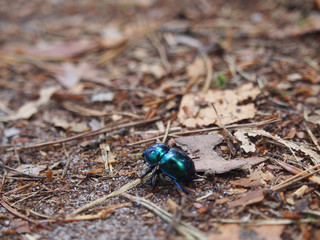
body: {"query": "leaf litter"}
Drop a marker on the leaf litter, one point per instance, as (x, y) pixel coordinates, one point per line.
(203, 50)
(196, 108)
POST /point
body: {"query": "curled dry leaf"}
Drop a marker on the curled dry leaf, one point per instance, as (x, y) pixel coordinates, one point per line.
(196, 108)
(206, 159)
(246, 145)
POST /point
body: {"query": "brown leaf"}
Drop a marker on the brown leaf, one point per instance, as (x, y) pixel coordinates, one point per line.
(227, 103)
(206, 159)
(248, 198)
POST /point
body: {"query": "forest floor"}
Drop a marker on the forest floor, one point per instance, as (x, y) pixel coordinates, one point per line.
(86, 86)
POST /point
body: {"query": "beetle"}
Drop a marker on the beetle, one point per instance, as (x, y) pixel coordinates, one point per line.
(172, 162)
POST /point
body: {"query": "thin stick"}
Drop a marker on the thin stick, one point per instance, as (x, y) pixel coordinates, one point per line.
(90, 134)
(234, 126)
(296, 178)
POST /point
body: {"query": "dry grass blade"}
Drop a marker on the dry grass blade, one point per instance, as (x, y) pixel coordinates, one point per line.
(187, 230)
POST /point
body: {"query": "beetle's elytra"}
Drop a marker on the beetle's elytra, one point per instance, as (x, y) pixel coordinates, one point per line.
(172, 162)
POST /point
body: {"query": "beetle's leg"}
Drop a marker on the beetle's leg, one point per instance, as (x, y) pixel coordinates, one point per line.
(180, 187)
(154, 177)
(147, 172)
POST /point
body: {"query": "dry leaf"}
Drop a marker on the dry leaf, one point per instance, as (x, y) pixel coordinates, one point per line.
(71, 74)
(30, 108)
(52, 51)
(206, 159)
(196, 69)
(248, 198)
(227, 103)
(255, 179)
(155, 70)
(32, 169)
(246, 145)
(239, 232)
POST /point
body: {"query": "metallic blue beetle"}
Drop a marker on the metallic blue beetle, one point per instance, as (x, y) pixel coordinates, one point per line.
(170, 161)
